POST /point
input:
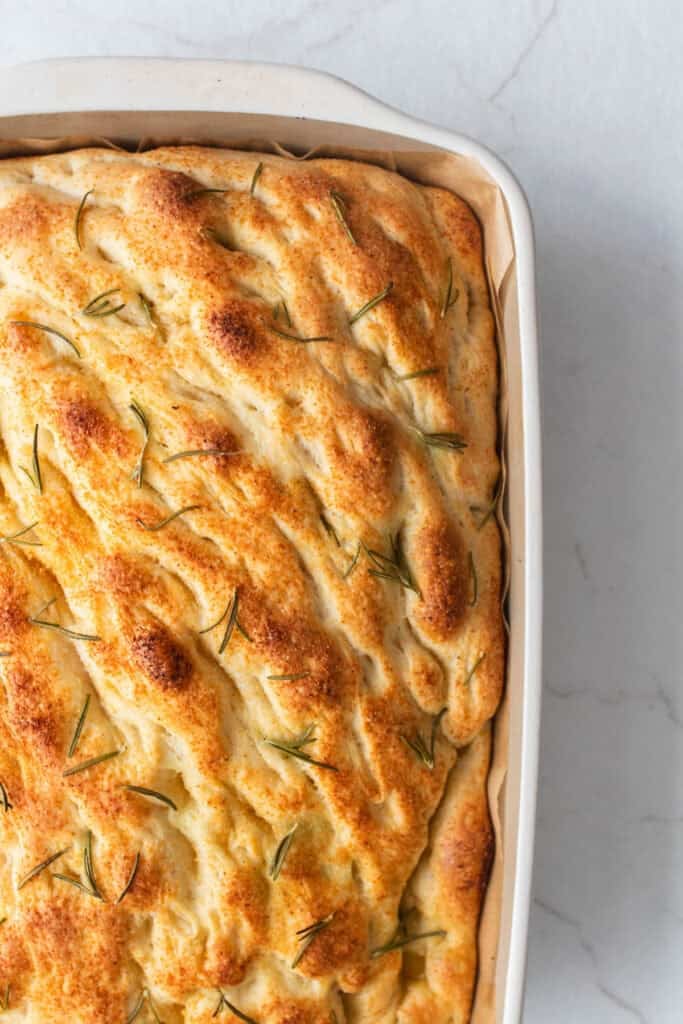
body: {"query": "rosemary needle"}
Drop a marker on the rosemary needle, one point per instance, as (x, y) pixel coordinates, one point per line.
(144, 997)
(291, 676)
(45, 624)
(49, 330)
(392, 568)
(90, 763)
(79, 727)
(354, 562)
(233, 622)
(468, 677)
(339, 207)
(276, 312)
(89, 868)
(137, 473)
(15, 538)
(34, 872)
(4, 798)
(79, 214)
(419, 747)
(281, 853)
(294, 749)
(233, 1009)
(428, 371)
(473, 576)
(131, 878)
(371, 303)
(454, 442)
(101, 305)
(254, 181)
(4, 1002)
(36, 477)
(206, 192)
(153, 794)
(76, 882)
(295, 337)
(398, 941)
(192, 452)
(169, 519)
(449, 298)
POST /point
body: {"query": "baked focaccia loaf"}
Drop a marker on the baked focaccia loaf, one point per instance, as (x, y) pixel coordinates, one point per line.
(250, 626)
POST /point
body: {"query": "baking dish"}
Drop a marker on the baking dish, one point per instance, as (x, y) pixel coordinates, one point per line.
(61, 104)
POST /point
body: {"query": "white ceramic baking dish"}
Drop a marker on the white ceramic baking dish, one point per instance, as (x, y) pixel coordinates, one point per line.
(128, 100)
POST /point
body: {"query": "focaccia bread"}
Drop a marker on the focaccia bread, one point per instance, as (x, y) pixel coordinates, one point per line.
(250, 575)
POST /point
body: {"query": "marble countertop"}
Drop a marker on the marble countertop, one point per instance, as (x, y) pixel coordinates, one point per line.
(585, 101)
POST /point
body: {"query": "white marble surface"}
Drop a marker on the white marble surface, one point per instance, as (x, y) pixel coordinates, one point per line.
(584, 99)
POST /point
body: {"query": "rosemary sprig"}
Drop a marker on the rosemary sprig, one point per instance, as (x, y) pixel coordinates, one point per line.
(295, 337)
(370, 304)
(289, 677)
(339, 207)
(89, 868)
(36, 477)
(15, 538)
(254, 181)
(153, 794)
(144, 997)
(131, 878)
(192, 452)
(404, 940)
(454, 442)
(475, 581)
(394, 567)
(281, 853)
(294, 748)
(4, 798)
(79, 728)
(34, 872)
(354, 562)
(422, 751)
(233, 1009)
(470, 674)
(49, 330)
(306, 936)
(276, 312)
(449, 298)
(429, 371)
(137, 473)
(91, 762)
(76, 882)
(45, 624)
(101, 305)
(169, 519)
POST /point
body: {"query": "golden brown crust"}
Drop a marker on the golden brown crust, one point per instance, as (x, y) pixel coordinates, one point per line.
(326, 577)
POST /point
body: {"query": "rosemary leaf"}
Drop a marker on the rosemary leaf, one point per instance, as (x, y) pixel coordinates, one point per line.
(449, 298)
(306, 936)
(192, 452)
(393, 568)
(89, 868)
(399, 941)
(206, 192)
(36, 476)
(454, 442)
(490, 509)
(329, 529)
(4, 1002)
(428, 371)
(153, 794)
(370, 304)
(254, 181)
(470, 674)
(354, 562)
(79, 728)
(276, 312)
(34, 872)
(4, 798)
(76, 882)
(233, 1009)
(295, 337)
(291, 676)
(169, 519)
(281, 853)
(131, 878)
(294, 749)
(99, 299)
(339, 207)
(146, 306)
(423, 752)
(137, 473)
(144, 997)
(79, 214)
(101, 306)
(14, 538)
(231, 623)
(90, 763)
(475, 581)
(45, 624)
(49, 330)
